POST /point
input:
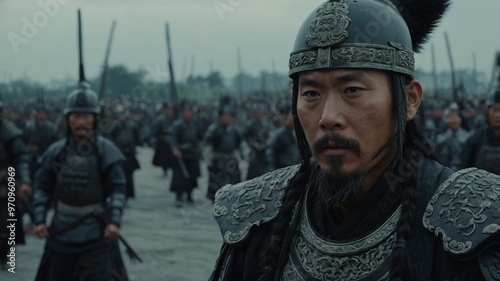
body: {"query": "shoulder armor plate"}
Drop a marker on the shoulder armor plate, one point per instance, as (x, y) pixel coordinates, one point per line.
(465, 212)
(239, 207)
(489, 263)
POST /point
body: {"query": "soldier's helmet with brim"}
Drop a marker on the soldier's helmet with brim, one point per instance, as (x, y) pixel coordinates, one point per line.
(364, 34)
(353, 34)
(82, 100)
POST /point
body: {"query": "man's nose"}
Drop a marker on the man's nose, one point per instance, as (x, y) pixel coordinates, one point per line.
(332, 117)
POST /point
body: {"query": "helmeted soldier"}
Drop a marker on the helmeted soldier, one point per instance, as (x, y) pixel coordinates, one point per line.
(368, 202)
(160, 134)
(125, 135)
(281, 150)
(15, 186)
(435, 123)
(221, 145)
(38, 134)
(449, 144)
(482, 148)
(256, 133)
(83, 176)
(185, 143)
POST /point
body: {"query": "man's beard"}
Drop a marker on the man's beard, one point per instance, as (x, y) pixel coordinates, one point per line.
(332, 186)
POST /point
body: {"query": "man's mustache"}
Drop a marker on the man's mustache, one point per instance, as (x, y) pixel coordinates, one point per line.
(338, 140)
(77, 128)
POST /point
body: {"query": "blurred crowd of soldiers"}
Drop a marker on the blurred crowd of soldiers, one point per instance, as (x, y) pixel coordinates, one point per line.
(222, 133)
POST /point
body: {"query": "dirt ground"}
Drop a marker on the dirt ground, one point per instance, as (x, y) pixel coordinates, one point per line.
(180, 244)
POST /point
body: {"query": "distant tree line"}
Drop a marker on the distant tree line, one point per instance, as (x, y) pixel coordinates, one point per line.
(144, 83)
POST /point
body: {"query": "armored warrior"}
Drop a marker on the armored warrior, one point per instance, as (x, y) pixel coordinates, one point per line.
(368, 202)
(82, 176)
(185, 144)
(38, 135)
(125, 135)
(450, 143)
(15, 183)
(256, 134)
(221, 145)
(482, 148)
(160, 133)
(281, 150)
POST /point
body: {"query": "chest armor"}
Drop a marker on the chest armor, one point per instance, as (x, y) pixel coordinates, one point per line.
(125, 136)
(312, 257)
(79, 182)
(40, 134)
(488, 159)
(228, 141)
(258, 136)
(188, 135)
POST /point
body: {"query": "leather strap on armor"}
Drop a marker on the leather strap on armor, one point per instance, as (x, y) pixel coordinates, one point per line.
(464, 212)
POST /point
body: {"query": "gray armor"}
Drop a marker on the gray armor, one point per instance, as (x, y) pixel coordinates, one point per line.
(12, 156)
(221, 149)
(282, 149)
(77, 186)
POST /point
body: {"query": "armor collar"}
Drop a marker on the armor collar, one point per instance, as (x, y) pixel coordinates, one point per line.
(313, 257)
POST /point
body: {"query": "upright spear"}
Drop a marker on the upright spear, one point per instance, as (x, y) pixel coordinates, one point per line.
(173, 88)
(453, 79)
(102, 87)
(434, 75)
(80, 51)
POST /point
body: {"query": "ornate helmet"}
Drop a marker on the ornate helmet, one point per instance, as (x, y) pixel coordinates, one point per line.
(375, 34)
(83, 100)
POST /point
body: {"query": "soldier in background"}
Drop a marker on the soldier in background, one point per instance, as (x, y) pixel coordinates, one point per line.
(482, 148)
(125, 135)
(83, 176)
(256, 134)
(160, 133)
(449, 144)
(474, 115)
(281, 148)
(434, 123)
(14, 171)
(38, 134)
(185, 143)
(221, 148)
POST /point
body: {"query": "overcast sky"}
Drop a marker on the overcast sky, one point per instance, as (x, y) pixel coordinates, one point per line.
(40, 41)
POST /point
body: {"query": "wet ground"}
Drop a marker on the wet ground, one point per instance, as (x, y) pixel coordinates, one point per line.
(178, 244)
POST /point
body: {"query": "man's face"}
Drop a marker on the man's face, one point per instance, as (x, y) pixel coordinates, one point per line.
(437, 113)
(346, 117)
(81, 124)
(226, 119)
(41, 115)
(453, 120)
(494, 116)
(187, 114)
(169, 112)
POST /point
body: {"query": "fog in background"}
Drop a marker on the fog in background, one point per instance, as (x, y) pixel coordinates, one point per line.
(205, 36)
